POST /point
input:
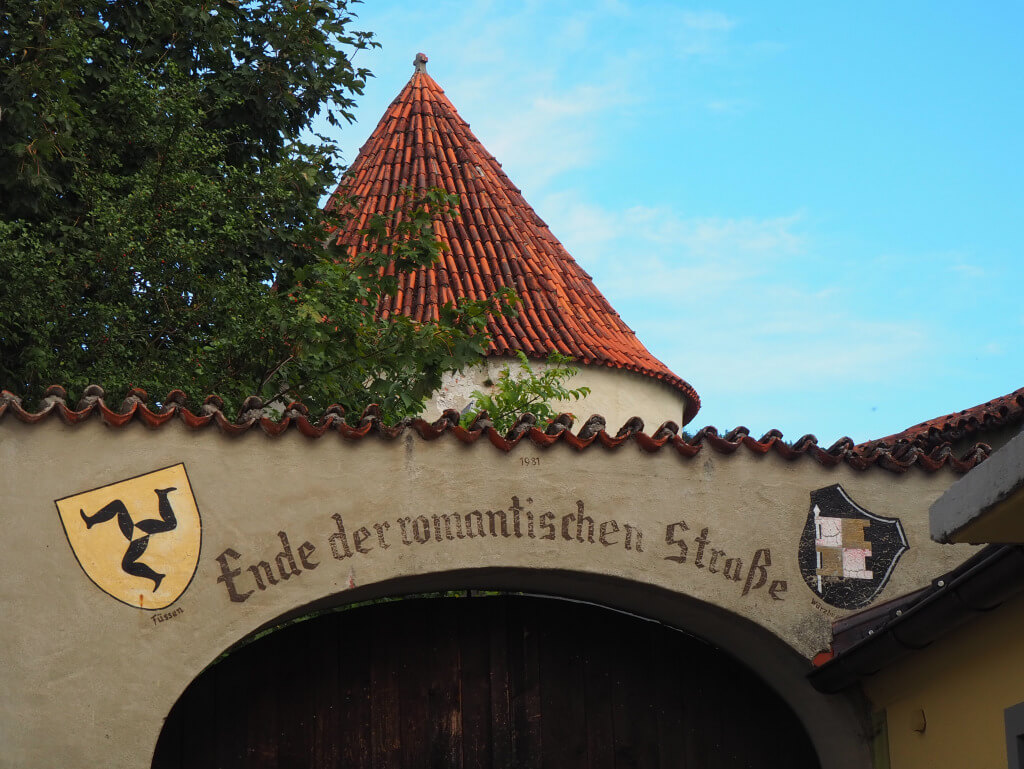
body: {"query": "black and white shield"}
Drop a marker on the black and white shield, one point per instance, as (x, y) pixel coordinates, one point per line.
(848, 554)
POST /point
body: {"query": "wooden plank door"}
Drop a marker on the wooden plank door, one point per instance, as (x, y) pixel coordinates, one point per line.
(480, 683)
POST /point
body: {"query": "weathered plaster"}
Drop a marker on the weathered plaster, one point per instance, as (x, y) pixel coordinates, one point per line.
(615, 394)
(109, 673)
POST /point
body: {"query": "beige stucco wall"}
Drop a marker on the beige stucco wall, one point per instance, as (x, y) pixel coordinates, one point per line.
(87, 680)
(962, 683)
(617, 395)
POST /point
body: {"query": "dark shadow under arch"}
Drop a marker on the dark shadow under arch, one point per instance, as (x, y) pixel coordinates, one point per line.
(834, 723)
(500, 681)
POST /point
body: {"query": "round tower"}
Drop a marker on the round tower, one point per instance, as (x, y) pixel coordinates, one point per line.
(496, 240)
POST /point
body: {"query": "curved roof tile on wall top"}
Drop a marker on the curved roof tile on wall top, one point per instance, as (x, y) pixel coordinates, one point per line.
(971, 423)
(173, 408)
(495, 241)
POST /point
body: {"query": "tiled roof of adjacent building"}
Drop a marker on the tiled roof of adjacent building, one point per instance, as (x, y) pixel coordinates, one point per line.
(969, 424)
(869, 640)
(592, 435)
(495, 241)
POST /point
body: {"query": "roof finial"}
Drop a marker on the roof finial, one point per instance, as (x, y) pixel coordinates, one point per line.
(420, 62)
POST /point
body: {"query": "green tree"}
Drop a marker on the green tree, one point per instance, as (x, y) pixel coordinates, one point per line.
(525, 391)
(159, 210)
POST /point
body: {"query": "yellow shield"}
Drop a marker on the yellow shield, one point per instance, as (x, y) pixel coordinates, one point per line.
(137, 540)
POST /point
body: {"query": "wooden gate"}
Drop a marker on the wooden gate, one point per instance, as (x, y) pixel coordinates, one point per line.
(480, 682)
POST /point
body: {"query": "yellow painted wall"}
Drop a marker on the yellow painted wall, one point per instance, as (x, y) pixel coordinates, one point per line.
(963, 682)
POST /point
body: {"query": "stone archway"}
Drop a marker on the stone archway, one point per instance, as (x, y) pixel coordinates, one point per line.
(290, 525)
(501, 681)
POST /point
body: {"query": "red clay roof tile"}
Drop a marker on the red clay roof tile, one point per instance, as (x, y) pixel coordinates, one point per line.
(496, 241)
(970, 423)
(92, 406)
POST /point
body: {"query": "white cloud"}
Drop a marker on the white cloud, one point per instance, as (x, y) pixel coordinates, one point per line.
(544, 84)
(728, 106)
(658, 232)
(729, 304)
(544, 135)
(704, 33)
(707, 20)
(968, 270)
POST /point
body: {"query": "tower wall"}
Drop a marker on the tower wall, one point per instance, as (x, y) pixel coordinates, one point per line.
(616, 395)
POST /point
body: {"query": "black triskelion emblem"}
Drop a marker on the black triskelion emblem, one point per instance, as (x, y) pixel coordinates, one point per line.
(846, 553)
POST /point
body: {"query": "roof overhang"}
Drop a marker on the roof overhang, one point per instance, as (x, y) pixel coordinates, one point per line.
(886, 634)
(987, 504)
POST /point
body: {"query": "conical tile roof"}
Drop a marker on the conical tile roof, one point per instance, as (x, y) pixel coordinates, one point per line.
(496, 241)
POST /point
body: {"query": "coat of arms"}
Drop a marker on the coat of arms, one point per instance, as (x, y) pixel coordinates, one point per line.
(138, 540)
(847, 554)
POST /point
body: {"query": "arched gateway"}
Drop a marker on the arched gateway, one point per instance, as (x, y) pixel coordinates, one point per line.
(753, 546)
(179, 536)
(480, 682)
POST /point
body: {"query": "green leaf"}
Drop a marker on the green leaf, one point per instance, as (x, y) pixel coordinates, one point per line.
(157, 178)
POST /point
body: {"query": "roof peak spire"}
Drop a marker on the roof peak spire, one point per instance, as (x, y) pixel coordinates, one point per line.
(494, 240)
(420, 63)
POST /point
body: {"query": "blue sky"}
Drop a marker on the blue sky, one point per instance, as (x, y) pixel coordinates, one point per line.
(811, 213)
